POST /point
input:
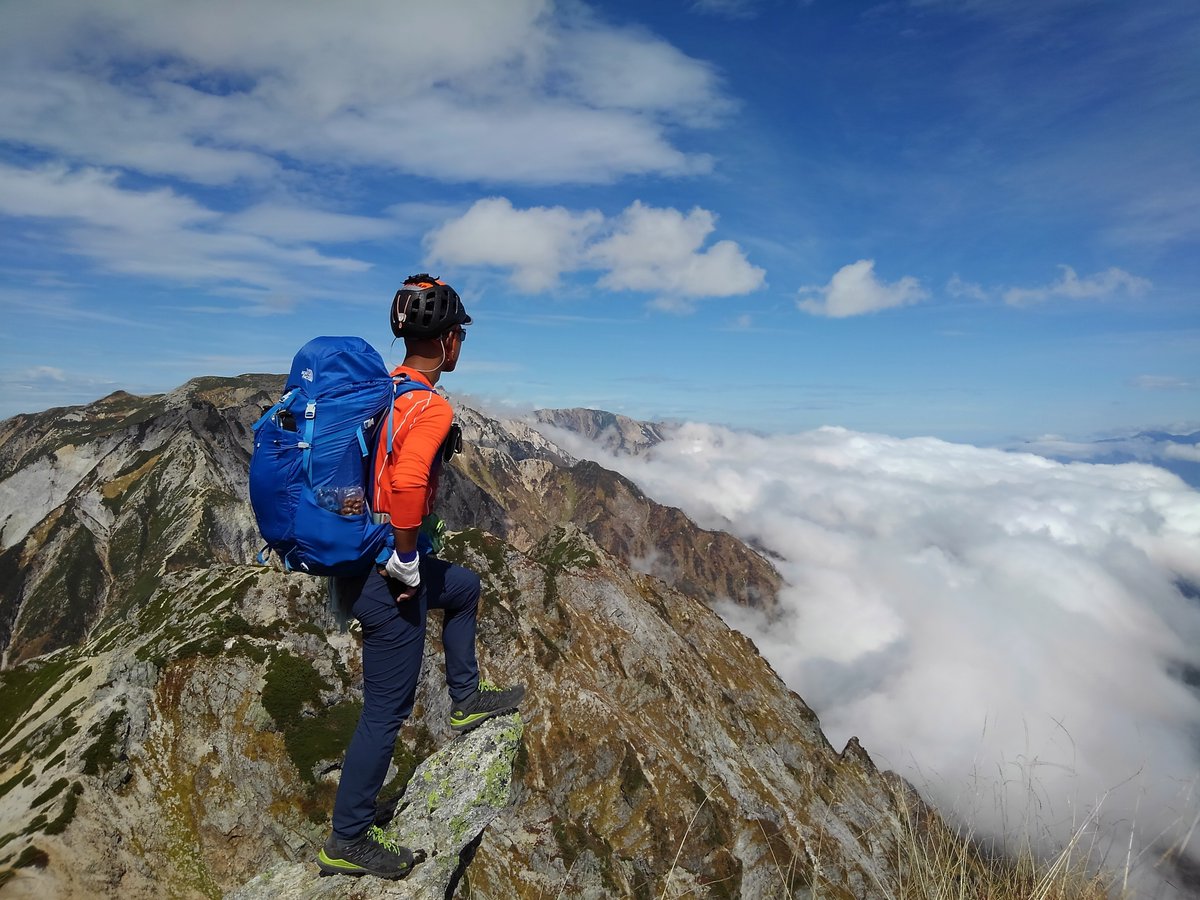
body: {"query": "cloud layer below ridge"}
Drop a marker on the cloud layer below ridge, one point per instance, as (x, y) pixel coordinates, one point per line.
(1014, 635)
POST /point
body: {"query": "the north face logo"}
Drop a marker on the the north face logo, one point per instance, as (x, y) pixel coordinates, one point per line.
(307, 375)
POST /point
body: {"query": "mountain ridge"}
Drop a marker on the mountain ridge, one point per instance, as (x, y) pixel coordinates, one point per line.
(192, 708)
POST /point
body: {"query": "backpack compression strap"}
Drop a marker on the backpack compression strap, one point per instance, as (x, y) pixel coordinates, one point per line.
(282, 404)
(310, 420)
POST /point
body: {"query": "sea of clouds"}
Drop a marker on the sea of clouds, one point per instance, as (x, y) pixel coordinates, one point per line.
(1014, 635)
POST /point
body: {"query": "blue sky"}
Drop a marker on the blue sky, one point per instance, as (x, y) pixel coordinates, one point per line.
(978, 220)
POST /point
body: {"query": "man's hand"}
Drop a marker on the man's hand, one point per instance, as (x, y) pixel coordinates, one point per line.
(405, 568)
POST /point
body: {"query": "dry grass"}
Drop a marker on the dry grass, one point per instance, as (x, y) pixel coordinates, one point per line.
(938, 863)
(933, 859)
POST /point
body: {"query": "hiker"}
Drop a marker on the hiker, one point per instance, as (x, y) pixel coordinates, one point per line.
(391, 601)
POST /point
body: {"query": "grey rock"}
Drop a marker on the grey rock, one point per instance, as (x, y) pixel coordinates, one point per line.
(452, 796)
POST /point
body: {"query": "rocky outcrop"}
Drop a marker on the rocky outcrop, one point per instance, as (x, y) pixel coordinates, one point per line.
(452, 796)
(661, 747)
(175, 769)
(201, 741)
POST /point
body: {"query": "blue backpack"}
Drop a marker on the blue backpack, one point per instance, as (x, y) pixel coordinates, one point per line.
(310, 471)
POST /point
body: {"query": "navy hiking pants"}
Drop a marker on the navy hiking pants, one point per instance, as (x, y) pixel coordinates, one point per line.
(393, 644)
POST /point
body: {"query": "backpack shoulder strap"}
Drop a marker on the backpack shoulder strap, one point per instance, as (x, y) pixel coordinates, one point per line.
(401, 384)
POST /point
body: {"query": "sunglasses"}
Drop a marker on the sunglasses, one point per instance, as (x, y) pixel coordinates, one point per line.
(461, 332)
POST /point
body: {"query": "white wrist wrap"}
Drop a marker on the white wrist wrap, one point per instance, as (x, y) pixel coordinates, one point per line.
(407, 572)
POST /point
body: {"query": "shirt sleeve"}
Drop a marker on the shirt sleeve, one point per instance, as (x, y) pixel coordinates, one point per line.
(414, 452)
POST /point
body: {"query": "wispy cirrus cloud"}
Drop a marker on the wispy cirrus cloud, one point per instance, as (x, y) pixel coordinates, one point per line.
(957, 287)
(1109, 283)
(207, 93)
(63, 305)
(1166, 383)
(1069, 286)
(733, 9)
(36, 387)
(163, 234)
(293, 222)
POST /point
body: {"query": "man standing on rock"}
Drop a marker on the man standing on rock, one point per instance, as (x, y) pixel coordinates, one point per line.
(391, 603)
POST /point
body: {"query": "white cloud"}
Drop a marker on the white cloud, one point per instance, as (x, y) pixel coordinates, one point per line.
(1187, 452)
(648, 249)
(1070, 286)
(159, 233)
(1165, 383)
(854, 290)
(956, 287)
(659, 251)
(161, 128)
(538, 244)
(1160, 448)
(135, 103)
(288, 222)
(628, 69)
(93, 196)
(42, 374)
(1004, 630)
(221, 90)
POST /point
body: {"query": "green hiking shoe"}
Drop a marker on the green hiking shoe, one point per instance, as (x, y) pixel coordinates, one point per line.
(371, 853)
(487, 701)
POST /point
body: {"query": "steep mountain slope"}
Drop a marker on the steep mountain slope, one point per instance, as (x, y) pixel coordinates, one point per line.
(98, 502)
(662, 739)
(173, 716)
(530, 489)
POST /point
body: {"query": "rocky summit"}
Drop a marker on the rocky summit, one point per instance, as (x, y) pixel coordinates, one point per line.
(172, 715)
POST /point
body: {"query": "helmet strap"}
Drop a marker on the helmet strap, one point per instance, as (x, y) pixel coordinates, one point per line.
(437, 368)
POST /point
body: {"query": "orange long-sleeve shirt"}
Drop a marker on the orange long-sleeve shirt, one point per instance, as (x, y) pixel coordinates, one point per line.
(406, 479)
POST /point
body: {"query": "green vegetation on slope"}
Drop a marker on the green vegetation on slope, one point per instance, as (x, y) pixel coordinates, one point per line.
(50, 793)
(64, 818)
(312, 733)
(102, 754)
(26, 686)
(62, 604)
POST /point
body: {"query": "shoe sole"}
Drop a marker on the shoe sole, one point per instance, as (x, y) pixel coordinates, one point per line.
(479, 718)
(330, 866)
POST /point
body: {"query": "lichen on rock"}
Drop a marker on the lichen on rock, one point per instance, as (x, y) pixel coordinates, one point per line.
(451, 798)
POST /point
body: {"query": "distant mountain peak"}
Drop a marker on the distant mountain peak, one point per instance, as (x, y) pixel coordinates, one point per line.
(612, 432)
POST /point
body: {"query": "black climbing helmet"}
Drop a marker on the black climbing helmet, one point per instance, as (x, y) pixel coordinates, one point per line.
(426, 307)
